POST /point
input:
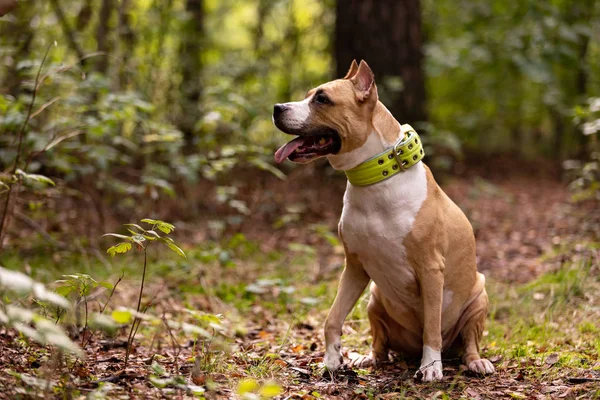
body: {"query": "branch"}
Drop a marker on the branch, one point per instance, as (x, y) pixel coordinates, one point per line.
(38, 228)
(4, 220)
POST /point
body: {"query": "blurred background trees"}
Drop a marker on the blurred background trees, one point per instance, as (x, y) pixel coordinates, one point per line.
(147, 98)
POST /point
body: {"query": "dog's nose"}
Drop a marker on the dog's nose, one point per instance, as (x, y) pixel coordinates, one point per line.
(278, 109)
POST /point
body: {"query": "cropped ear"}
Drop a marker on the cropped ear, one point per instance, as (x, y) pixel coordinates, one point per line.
(364, 81)
(352, 71)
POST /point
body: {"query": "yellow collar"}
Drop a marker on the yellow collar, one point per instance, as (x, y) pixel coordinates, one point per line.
(407, 151)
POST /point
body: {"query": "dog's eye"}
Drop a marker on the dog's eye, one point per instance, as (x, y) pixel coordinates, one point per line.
(322, 98)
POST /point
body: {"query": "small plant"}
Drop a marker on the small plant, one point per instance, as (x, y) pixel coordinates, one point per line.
(142, 238)
(26, 321)
(162, 379)
(80, 286)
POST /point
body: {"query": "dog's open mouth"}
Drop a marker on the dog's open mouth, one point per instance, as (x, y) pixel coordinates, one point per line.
(306, 148)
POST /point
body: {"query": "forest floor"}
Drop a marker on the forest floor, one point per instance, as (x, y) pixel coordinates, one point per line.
(263, 297)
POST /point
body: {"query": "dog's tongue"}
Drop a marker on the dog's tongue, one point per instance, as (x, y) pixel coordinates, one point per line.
(287, 149)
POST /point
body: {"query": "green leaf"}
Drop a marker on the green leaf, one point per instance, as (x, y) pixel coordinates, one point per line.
(247, 386)
(120, 248)
(270, 389)
(122, 237)
(107, 285)
(121, 316)
(161, 383)
(175, 248)
(159, 369)
(37, 178)
(165, 227)
(136, 226)
(55, 335)
(30, 380)
(194, 329)
(161, 225)
(64, 290)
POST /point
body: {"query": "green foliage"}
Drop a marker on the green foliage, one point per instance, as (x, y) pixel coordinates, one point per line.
(504, 74)
(35, 178)
(250, 389)
(142, 237)
(28, 322)
(161, 379)
(80, 284)
(585, 174)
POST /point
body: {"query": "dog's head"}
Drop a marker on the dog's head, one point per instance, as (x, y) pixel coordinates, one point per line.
(334, 118)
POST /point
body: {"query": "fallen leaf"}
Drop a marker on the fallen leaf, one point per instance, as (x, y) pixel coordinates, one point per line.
(552, 359)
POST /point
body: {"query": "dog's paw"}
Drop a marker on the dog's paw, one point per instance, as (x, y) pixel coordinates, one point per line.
(482, 366)
(372, 360)
(333, 357)
(430, 373)
(361, 361)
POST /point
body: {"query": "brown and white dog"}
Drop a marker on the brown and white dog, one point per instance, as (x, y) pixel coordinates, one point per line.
(403, 234)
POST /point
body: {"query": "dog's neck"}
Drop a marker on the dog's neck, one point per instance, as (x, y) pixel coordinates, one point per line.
(386, 131)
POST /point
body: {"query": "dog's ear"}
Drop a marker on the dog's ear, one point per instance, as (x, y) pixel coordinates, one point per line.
(364, 82)
(352, 71)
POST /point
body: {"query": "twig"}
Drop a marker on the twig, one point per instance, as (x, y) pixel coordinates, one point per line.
(85, 327)
(44, 106)
(131, 332)
(102, 308)
(577, 379)
(175, 343)
(38, 228)
(5, 215)
(112, 292)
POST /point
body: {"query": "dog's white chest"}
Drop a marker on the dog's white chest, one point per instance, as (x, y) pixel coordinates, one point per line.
(376, 219)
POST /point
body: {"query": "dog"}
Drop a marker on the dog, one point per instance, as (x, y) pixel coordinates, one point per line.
(399, 230)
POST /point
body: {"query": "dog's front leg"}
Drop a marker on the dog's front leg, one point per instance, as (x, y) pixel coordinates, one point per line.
(432, 288)
(353, 282)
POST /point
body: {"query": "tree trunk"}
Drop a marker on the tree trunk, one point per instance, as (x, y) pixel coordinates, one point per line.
(20, 34)
(191, 67)
(68, 31)
(387, 34)
(127, 41)
(103, 42)
(583, 12)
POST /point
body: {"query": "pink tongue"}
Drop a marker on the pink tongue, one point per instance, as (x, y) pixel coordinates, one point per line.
(287, 149)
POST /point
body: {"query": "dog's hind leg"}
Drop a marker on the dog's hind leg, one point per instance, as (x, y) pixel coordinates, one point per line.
(471, 333)
(379, 333)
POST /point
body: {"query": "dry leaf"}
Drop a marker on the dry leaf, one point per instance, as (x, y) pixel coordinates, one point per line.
(552, 359)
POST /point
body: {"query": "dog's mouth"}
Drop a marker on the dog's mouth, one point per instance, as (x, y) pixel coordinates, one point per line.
(306, 148)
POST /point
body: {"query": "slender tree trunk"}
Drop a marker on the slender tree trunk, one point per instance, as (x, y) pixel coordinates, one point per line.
(584, 11)
(20, 33)
(68, 31)
(291, 42)
(264, 6)
(103, 42)
(388, 35)
(127, 40)
(191, 67)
